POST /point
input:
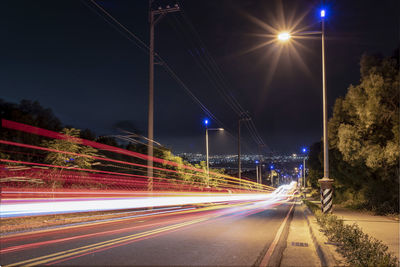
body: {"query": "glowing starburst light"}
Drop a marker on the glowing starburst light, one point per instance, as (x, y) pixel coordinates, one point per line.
(284, 36)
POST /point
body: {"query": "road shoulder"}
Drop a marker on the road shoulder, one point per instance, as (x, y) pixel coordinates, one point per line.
(300, 249)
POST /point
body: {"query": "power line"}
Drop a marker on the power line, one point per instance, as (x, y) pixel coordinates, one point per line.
(221, 84)
(211, 69)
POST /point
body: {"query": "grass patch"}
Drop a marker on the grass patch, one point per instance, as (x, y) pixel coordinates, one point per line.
(358, 248)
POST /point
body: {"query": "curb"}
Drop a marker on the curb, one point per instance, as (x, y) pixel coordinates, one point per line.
(325, 256)
(276, 255)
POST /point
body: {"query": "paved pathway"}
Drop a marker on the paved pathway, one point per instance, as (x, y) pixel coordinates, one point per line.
(300, 250)
(382, 228)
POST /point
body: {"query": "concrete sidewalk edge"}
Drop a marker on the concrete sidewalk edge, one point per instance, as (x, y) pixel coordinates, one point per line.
(276, 256)
(324, 253)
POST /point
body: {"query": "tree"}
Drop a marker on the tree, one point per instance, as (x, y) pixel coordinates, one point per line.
(314, 161)
(70, 144)
(364, 136)
(31, 113)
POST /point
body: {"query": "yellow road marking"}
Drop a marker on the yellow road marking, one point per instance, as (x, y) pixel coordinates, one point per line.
(217, 206)
(83, 249)
(71, 252)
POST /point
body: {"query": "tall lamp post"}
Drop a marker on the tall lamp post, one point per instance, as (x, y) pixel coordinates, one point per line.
(206, 122)
(325, 182)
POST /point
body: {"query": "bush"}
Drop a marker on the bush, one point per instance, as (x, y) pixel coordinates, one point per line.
(357, 247)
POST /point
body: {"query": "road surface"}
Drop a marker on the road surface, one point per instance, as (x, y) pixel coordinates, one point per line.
(227, 234)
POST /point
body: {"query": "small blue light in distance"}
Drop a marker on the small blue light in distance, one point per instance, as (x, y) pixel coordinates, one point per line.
(206, 121)
(323, 13)
(257, 162)
(271, 167)
(304, 150)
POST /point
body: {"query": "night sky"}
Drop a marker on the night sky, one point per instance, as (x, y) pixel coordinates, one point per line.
(66, 56)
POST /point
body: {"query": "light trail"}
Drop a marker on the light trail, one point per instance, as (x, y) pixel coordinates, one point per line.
(26, 207)
(49, 206)
(50, 134)
(217, 213)
(100, 189)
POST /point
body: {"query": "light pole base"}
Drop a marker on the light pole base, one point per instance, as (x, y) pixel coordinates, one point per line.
(326, 194)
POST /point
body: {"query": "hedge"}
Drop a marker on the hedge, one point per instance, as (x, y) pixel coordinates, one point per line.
(358, 248)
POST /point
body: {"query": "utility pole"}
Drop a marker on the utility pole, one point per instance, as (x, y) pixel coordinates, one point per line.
(243, 117)
(239, 167)
(261, 160)
(161, 12)
(257, 173)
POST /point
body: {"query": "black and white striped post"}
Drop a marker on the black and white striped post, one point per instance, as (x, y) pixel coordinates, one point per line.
(326, 194)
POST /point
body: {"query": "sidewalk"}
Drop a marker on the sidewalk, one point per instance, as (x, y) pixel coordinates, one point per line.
(380, 227)
(300, 249)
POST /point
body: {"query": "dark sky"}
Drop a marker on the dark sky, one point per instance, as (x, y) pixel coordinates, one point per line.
(66, 56)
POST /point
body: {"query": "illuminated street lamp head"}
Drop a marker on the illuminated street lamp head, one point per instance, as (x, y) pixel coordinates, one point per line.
(206, 122)
(220, 129)
(284, 36)
(323, 13)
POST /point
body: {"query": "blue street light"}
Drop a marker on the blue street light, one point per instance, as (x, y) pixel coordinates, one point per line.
(257, 162)
(206, 121)
(304, 150)
(271, 167)
(323, 13)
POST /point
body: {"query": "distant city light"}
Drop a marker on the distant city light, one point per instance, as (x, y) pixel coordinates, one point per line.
(206, 121)
(257, 162)
(323, 13)
(271, 167)
(304, 150)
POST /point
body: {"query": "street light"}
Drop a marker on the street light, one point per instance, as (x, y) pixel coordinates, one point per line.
(304, 151)
(257, 162)
(271, 167)
(206, 122)
(325, 182)
(284, 36)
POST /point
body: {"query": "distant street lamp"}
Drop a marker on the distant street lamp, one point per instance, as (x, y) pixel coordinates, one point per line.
(271, 167)
(206, 122)
(304, 151)
(257, 162)
(325, 182)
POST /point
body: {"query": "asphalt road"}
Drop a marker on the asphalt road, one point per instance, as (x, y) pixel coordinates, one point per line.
(230, 234)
